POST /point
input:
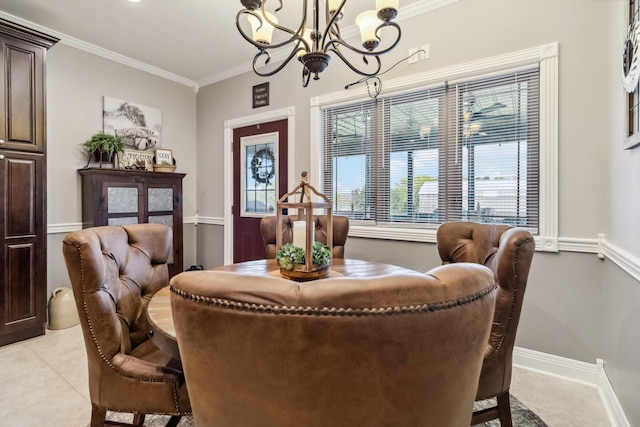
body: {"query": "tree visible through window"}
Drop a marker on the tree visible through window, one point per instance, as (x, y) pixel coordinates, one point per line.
(465, 150)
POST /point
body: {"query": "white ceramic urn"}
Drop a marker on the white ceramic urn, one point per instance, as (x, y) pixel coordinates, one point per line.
(62, 309)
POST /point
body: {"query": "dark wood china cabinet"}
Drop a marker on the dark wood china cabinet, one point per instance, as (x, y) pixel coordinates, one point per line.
(119, 197)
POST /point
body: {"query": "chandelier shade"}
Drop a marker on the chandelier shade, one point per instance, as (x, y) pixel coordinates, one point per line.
(262, 29)
(317, 37)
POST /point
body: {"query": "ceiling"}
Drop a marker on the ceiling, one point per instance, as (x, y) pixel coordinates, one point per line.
(194, 42)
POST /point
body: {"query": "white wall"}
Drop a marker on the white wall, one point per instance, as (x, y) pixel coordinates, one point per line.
(76, 83)
(621, 287)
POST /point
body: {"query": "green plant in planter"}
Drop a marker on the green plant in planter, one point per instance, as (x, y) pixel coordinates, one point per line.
(288, 255)
(101, 142)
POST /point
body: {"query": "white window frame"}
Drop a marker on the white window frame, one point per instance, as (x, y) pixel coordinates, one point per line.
(547, 58)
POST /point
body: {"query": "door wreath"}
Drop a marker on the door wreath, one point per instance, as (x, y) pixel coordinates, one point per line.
(263, 166)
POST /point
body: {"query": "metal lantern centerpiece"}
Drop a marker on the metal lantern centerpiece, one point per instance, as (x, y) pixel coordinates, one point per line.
(303, 231)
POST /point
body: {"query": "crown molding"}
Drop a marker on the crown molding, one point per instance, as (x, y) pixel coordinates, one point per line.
(104, 53)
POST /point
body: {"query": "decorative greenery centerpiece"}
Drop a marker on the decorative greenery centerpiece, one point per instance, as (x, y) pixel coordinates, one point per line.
(292, 262)
(289, 256)
(103, 146)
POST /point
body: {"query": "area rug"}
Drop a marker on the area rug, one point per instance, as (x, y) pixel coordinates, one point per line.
(521, 415)
(149, 420)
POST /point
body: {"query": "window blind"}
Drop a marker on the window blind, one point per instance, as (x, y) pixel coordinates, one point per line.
(466, 150)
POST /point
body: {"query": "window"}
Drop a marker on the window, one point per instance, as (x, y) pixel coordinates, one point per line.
(368, 170)
(456, 151)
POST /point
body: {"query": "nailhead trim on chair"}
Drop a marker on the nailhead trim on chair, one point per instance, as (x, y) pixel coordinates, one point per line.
(333, 311)
(513, 301)
(102, 356)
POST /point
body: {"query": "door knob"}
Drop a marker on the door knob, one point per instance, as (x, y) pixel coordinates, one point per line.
(1, 141)
(1, 157)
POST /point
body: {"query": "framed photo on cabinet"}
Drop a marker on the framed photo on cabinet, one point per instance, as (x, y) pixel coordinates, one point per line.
(135, 160)
(164, 156)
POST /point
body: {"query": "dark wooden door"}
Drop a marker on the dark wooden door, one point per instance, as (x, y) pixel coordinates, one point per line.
(259, 179)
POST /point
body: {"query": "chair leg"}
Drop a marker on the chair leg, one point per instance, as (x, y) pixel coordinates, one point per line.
(98, 416)
(504, 409)
(138, 419)
(173, 421)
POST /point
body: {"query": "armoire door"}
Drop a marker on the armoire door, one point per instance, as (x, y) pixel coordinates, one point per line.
(23, 277)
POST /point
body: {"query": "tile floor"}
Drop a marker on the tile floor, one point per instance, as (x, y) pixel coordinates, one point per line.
(43, 382)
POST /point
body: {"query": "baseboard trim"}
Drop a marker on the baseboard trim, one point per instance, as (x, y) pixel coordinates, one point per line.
(589, 374)
(609, 399)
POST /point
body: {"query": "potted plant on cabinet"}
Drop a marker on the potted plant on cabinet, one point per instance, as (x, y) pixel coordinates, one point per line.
(102, 146)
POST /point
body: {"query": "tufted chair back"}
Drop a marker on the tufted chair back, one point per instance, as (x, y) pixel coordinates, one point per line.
(340, 232)
(508, 252)
(114, 271)
(395, 350)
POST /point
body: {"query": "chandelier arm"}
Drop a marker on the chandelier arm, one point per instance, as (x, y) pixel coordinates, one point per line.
(353, 67)
(340, 41)
(333, 22)
(395, 43)
(280, 27)
(306, 76)
(257, 56)
(280, 67)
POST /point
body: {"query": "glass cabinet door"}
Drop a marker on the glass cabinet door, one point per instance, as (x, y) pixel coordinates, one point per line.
(122, 205)
(160, 205)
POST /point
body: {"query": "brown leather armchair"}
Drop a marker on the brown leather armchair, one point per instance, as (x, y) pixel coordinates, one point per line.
(340, 232)
(401, 350)
(508, 252)
(114, 271)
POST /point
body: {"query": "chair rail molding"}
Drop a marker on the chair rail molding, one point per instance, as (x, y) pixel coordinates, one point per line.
(75, 226)
(210, 220)
(627, 261)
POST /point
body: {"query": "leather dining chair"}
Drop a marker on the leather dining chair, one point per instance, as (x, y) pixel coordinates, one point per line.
(114, 271)
(340, 232)
(401, 350)
(508, 252)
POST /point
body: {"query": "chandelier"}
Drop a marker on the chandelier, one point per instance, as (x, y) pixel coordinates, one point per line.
(312, 44)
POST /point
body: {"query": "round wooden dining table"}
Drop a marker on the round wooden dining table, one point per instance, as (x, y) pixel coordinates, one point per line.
(162, 330)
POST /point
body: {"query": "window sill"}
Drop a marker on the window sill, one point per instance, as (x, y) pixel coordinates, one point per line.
(543, 244)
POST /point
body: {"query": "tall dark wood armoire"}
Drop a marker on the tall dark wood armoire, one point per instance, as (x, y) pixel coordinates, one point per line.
(23, 220)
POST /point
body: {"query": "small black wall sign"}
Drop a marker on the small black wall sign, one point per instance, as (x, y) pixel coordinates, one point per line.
(261, 95)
